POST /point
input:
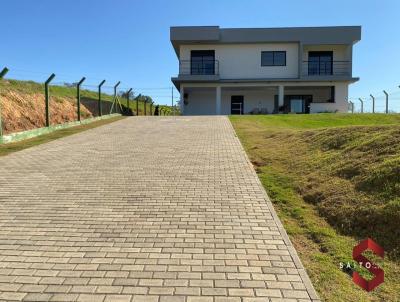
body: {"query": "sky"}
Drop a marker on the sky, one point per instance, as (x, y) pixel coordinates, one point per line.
(128, 40)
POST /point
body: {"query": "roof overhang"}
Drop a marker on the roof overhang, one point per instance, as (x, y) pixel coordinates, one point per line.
(307, 35)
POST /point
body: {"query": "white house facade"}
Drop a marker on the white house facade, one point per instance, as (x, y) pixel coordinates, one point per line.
(264, 70)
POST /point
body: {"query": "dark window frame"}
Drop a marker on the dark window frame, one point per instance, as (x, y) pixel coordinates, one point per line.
(318, 63)
(273, 57)
(201, 66)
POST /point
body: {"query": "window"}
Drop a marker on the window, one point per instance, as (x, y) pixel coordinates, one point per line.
(320, 62)
(202, 62)
(273, 58)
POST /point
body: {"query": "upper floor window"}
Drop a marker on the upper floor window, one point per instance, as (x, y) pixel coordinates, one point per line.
(273, 58)
(202, 62)
(320, 62)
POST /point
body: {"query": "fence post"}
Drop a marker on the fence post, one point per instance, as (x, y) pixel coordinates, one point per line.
(46, 98)
(362, 105)
(387, 101)
(145, 103)
(137, 106)
(116, 96)
(2, 75)
(115, 99)
(3, 72)
(373, 103)
(172, 99)
(352, 106)
(127, 97)
(78, 97)
(99, 101)
(151, 108)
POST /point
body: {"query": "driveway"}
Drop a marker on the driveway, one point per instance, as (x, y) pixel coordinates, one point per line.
(143, 209)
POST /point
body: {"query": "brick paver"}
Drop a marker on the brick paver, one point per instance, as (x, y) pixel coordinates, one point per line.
(143, 209)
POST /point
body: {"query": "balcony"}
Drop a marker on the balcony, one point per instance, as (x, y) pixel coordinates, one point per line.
(326, 69)
(200, 70)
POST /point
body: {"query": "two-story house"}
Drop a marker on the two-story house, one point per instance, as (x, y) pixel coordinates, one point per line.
(264, 70)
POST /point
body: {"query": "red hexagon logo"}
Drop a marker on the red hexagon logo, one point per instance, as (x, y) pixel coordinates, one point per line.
(368, 244)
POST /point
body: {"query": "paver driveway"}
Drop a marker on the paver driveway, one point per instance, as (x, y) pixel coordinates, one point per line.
(143, 209)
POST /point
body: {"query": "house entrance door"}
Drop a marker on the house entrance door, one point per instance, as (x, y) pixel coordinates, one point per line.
(237, 103)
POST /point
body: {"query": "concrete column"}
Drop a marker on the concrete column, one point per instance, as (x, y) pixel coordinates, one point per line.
(281, 95)
(218, 100)
(301, 49)
(182, 96)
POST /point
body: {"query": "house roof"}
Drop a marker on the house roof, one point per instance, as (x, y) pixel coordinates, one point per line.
(307, 35)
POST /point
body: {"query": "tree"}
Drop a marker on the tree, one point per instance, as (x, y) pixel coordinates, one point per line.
(124, 94)
(143, 98)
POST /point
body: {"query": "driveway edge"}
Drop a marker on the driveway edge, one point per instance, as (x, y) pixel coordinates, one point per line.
(293, 253)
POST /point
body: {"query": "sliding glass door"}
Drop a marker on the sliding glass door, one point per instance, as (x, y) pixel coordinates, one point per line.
(297, 105)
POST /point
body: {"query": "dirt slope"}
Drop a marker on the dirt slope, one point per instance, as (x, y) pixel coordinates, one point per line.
(24, 111)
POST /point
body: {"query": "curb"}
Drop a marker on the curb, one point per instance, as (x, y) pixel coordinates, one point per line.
(19, 136)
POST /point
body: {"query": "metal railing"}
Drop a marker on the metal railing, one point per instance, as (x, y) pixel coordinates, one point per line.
(198, 67)
(326, 68)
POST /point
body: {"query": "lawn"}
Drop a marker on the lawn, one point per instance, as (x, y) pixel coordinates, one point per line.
(334, 179)
(17, 146)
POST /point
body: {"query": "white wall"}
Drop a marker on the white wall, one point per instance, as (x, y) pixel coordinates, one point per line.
(340, 52)
(243, 61)
(200, 102)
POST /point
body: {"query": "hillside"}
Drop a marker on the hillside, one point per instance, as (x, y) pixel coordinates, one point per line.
(334, 179)
(22, 105)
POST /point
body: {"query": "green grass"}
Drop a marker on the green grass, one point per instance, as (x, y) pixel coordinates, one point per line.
(17, 146)
(334, 179)
(322, 120)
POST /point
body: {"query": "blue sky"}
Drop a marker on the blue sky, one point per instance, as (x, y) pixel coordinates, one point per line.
(129, 40)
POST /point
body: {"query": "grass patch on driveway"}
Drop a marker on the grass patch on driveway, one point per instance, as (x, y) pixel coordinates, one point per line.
(17, 146)
(333, 179)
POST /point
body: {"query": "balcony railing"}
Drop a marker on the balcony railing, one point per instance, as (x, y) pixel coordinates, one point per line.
(199, 67)
(326, 68)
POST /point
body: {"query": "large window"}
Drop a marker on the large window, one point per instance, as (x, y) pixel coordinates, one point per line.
(320, 62)
(273, 58)
(202, 62)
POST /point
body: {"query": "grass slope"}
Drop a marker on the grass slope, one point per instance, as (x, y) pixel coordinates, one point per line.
(334, 179)
(30, 87)
(22, 105)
